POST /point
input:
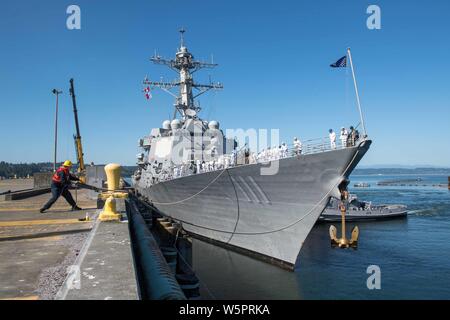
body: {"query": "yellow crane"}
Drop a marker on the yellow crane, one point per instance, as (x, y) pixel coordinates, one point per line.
(77, 137)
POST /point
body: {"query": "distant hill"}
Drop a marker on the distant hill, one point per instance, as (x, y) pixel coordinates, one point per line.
(127, 171)
(393, 171)
(22, 170)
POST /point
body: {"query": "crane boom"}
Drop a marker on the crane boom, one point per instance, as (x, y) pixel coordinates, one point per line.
(77, 136)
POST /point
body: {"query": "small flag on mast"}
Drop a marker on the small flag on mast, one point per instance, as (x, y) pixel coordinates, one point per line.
(341, 63)
(147, 93)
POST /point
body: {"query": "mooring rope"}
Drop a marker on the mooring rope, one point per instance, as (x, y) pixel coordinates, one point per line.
(194, 195)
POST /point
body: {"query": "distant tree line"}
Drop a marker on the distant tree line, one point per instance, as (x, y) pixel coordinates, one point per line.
(127, 171)
(22, 170)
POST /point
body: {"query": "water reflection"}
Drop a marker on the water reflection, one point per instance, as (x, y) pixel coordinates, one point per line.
(230, 275)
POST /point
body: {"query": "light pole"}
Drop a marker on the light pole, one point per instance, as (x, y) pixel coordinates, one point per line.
(57, 93)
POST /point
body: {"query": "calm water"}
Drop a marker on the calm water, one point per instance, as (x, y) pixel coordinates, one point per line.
(413, 254)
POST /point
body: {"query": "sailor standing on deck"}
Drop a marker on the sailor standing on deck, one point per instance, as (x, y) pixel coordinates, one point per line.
(233, 158)
(332, 139)
(297, 146)
(353, 136)
(199, 166)
(226, 162)
(60, 186)
(343, 137)
(284, 150)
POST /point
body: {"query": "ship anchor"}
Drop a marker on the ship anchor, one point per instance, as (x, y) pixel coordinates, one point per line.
(344, 242)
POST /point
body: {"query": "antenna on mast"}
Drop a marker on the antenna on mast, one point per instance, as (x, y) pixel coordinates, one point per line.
(185, 65)
(182, 31)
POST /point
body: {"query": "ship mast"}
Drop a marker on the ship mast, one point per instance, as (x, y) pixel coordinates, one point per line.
(185, 65)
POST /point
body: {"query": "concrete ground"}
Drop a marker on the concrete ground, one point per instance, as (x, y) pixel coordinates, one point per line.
(36, 248)
(15, 184)
(105, 270)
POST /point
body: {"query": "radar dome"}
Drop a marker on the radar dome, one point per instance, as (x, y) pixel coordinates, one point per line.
(175, 124)
(213, 125)
(166, 125)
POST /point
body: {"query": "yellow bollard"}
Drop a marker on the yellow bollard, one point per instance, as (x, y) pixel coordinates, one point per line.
(113, 171)
(113, 176)
(109, 212)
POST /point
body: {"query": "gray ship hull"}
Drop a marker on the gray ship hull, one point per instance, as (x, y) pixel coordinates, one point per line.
(269, 216)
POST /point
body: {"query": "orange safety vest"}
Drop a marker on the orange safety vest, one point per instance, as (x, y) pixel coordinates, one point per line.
(56, 178)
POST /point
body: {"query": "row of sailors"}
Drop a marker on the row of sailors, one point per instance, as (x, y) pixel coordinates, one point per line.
(222, 162)
(348, 137)
(226, 161)
(279, 152)
(273, 153)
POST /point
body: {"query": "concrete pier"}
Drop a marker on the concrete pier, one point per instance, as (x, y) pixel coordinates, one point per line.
(41, 250)
(37, 248)
(73, 255)
(105, 266)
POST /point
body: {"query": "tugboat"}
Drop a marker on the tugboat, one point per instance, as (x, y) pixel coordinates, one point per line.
(362, 211)
(190, 172)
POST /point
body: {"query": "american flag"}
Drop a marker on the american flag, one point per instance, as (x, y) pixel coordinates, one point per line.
(341, 63)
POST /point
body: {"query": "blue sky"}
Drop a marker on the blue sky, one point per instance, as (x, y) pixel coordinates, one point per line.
(273, 60)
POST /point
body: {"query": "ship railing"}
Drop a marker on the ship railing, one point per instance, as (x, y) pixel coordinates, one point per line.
(227, 161)
(320, 145)
(306, 147)
(310, 146)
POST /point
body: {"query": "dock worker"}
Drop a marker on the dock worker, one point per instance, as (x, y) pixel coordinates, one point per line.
(60, 186)
(332, 139)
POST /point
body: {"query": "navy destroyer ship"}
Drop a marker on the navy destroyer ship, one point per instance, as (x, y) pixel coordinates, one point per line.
(220, 191)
